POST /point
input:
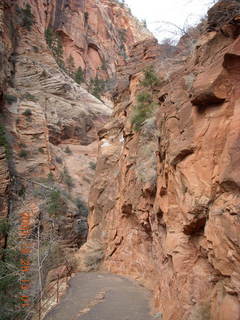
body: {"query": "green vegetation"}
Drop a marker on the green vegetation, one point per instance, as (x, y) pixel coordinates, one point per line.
(68, 150)
(92, 165)
(104, 65)
(144, 22)
(67, 179)
(79, 75)
(8, 98)
(145, 100)
(23, 154)
(86, 17)
(97, 87)
(71, 66)
(28, 96)
(3, 140)
(82, 207)
(50, 178)
(143, 110)
(54, 43)
(150, 80)
(56, 205)
(26, 16)
(27, 112)
(4, 227)
(59, 160)
(41, 150)
(49, 36)
(10, 285)
(122, 35)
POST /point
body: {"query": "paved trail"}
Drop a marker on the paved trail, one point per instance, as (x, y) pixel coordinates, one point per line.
(99, 296)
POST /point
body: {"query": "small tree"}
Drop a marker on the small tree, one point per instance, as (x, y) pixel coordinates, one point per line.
(145, 100)
(56, 204)
(150, 80)
(54, 43)
(143, 110)
(97, 87)
(27, 17)
(79, 76)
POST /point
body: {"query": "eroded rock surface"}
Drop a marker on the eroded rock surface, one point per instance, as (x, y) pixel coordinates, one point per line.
(165, 201)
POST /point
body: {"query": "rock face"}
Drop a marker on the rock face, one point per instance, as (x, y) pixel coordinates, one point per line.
(165, 201)
(95, 35)
(48, 121)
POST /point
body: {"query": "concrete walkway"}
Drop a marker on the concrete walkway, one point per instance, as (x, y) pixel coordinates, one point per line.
(100, 296)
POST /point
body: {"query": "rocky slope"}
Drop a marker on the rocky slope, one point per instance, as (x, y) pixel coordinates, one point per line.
(164, 206)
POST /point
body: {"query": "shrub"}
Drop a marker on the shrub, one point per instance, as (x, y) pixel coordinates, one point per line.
(122, 35)
(49, 36)
(144, 23)
(79, 75)
(50, 177)
(27, 17)
(104, 65)
(28, 96)
(54, 43)
(27, 112)
(150, 78)
(70, 65)
(143, 110)
(3, 140)
(67, 179)
(82, 207)
(59, 160)
(97, 87)
(86, 17)
(9, 98)
(23, 154)
(10, 284)
(41, 150)
(68, 150)
(4, 227)
(145, 101)
(92, 165)
(56, 205)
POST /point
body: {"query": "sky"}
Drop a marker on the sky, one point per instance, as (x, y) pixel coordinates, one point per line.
(178, 12)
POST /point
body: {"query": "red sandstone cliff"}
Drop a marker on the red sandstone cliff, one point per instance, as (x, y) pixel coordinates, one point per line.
(164, 206)
(49, 122)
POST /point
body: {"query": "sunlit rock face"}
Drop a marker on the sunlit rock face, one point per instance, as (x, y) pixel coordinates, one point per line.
(164, 206)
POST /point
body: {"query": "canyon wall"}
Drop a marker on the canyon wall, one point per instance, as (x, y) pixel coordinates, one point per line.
(48, 121)
(164, 205)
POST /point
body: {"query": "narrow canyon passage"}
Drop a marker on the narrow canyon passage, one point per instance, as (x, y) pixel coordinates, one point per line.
(101, 296)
